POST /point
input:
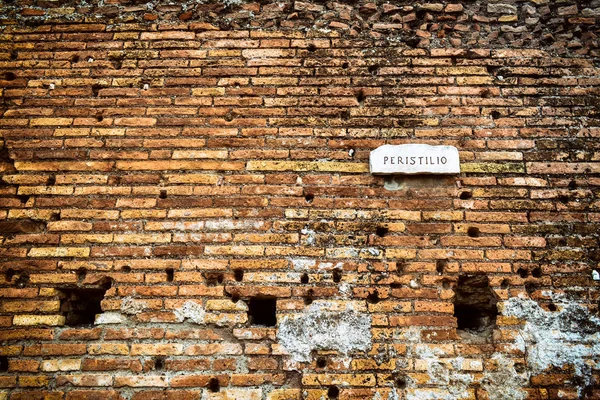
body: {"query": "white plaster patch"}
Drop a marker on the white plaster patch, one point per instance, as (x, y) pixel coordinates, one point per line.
(317, 329)
(568, 336)
(110, 317)
(302, 264)
(131, 306)
(504, 383)
(191, 311)
(309, 237)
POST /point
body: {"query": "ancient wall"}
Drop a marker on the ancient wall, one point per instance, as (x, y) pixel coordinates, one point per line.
(186, 208)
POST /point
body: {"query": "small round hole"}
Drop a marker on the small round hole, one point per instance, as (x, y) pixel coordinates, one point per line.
(381, 231)
(238, 275)
(213, 385)
(572, 185)
(99, 118)
(311, 47)
(495, 114)
(333, 392)
(523, 273)
(308, 299)
(466, 195)
(400, 382)
(309, 198)
(563, 198)
(81, 273)
(536, 272)
(9, 274)
(345, 65)
(504, 284)
(9, 76)
(75, 59)
(440, 265)
(337, 275)
(235, 298)
(304, 278)
(373, 69)
(126, 268)
(163, 194)
(170, 274)
(321, 362)
(552, 307)
(373, 297)
(473, 232)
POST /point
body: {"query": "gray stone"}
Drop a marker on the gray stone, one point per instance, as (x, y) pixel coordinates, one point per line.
(501, 8)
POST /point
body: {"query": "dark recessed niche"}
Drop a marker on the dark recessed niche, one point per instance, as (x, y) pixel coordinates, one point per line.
(563, 198)
(159, 363)
(321, 362)
(9, 76)
(75, 59)
(238, 275)
(81, 274)
(345, 65)
(475, 304)
(22, 280)
(308, 299)
(536, 272)
(552, 307)
(466, 195)
(9, 274)
(373, 297)
(504, 284)
(360, 97)
(381, 231)
(304, 278)
(373, 69)
(213, 278)
(311, 47)
(473, 232)
(337, 275)
(309, 198)
(333, 392)
(495, 114)
(51, 181)
(126, 268)
(572, 185)
(523, 273)
(262, 311)
(170, 274)
(440, 266)
(213, 385)
(3, 364)
(163, 194)
(80, 306)
(24, 198)
(400, 382)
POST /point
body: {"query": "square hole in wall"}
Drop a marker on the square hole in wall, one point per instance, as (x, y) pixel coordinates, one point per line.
(262, 311)
(80, 306)
(475, 304)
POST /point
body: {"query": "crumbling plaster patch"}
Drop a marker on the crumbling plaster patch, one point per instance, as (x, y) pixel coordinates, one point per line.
(191, 311)
(568, 336)
(318, 329)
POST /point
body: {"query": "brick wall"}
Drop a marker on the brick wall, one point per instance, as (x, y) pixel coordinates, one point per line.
(186, 208)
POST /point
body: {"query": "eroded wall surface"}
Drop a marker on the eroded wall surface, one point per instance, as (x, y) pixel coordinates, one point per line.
(186, 208)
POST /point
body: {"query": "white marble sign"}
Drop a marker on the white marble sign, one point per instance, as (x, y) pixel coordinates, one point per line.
(414, 159)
